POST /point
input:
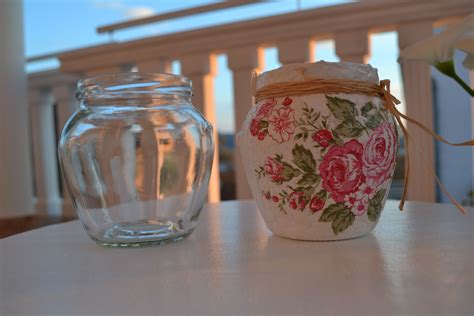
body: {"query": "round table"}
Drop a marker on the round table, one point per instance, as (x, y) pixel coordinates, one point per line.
(419, 261)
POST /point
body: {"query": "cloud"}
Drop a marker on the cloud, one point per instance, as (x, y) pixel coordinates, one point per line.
(138, 12)
(127, 11)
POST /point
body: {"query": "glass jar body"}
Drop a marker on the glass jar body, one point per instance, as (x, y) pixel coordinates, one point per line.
(137, 173)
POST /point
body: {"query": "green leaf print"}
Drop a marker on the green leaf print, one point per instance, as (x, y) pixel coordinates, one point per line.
(339, 216)
(304, 159)
(309, 179)
(366, 109)
(375, 206)
(341, 108)
(350, 128)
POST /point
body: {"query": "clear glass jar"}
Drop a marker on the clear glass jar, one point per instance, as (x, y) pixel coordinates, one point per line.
(136, 158)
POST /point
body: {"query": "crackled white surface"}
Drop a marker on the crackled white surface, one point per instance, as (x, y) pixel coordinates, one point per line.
(416, 262)
(321, 70)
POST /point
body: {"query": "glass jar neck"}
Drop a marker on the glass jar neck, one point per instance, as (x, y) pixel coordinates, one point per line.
(134, 89)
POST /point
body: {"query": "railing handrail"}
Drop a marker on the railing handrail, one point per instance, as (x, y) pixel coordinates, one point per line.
(374, 16)
(173, 15)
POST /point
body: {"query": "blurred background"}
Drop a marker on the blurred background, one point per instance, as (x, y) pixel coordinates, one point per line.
(47, 45)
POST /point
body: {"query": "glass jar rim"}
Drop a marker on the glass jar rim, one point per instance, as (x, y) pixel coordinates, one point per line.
(133, 85)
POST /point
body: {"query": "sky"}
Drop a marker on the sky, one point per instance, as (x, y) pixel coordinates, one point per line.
(58, 25)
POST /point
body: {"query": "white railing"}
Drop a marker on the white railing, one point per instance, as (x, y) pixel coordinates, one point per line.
(293, 34)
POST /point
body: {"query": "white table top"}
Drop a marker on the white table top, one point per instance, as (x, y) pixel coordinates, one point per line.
(415, 262)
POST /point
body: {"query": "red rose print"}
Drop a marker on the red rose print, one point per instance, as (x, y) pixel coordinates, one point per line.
(265, 108)
(341, 169)
(297, 201)
(323, 137)
(316, 204)
(275, 198)
(287, 101)
(254, 127)
(261, 135)
(282, 124)
(380, 153)
(274, 169)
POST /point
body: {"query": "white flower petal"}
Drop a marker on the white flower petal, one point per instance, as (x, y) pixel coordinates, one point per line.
(440, 47)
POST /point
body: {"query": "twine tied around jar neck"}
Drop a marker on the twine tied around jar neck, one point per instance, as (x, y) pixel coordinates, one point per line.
(320, 86)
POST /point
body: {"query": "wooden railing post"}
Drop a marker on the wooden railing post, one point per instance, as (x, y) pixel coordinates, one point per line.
(243, 61)
(300, 50)
(419, 105)
(66, 104)
(201, 69)
(352, 46)
(44, 152)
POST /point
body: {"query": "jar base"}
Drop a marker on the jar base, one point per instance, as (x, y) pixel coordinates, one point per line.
(144, 233)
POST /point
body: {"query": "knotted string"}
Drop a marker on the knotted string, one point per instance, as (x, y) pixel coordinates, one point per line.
(315, 86)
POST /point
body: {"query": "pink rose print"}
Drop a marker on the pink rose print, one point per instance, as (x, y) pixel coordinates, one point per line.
(282, 124)
(274, 169)
(275, 199)
(341, 169)
(316, 204)
(254, 127)
(287, 101)
(297, 201)
(261, 135)
(323, 137)
(265, 108)
(379, 153)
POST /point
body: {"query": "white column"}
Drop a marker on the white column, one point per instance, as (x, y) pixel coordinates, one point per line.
(44, 152)
(243, 61)
(299, 50)
(66, 104)
(352, 46)
(419, 105)
(154, 65)
(16, 195)
(201, 69)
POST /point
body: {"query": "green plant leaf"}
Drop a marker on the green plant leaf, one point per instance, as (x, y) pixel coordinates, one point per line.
(341, 108)
(366, 109)
(375, 206)
(330, 212)
(304, 159)
(349, 128)
(309, 179)
(342, 221)
(374, 121)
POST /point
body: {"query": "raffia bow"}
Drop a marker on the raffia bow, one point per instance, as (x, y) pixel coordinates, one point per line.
(315, 86)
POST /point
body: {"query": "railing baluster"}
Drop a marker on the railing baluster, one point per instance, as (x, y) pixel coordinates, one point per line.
(201, 69)
(243, 61)
(300, 50)
(352, 46)
(44, 149)
(419, 105)
(65, 105)
(154, 65)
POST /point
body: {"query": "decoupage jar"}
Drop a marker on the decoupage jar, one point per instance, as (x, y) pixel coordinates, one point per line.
(137, 158)
(319, 164)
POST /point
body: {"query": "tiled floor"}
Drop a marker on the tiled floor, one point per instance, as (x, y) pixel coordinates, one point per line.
(14, 226)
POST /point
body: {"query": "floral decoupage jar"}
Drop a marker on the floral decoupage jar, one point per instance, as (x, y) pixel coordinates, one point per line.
(319, 164)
